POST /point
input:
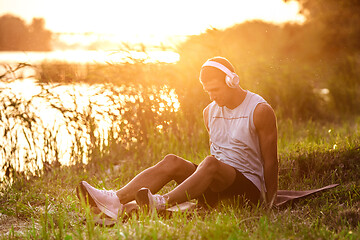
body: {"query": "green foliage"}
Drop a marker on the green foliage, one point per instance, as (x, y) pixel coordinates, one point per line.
(291, 65)
(336, 23)
(299, 69)
(97, 122)
(308, 159)
(344, 85)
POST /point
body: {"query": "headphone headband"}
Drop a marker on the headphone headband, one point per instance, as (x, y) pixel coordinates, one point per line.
(231, 79)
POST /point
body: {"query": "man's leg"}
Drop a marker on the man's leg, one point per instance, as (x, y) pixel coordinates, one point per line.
(211, 173)
(154, 178)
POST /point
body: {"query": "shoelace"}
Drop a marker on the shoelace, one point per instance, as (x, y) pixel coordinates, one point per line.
(110, 193)
(160, 201)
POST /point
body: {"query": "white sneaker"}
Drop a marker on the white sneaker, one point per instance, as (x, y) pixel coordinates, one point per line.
(106, 200)
(144, 197)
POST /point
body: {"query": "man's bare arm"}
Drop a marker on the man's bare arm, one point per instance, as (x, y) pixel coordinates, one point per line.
(265, 123)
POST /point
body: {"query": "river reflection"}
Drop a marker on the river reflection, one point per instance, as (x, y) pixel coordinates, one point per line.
(87, 56)
(43, 124)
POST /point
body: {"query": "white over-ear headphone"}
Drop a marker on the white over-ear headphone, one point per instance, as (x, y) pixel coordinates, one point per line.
(231, 78)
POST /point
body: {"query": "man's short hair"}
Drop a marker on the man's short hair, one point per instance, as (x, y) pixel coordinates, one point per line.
(209, 73)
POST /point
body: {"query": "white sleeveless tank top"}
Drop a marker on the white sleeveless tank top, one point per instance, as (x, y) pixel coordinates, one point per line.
(234, 139)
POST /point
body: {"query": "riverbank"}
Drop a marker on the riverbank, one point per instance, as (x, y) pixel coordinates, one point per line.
(311, 155)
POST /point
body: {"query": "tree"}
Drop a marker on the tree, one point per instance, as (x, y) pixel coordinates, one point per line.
(39, 38)
(15, 35)
(337, 23)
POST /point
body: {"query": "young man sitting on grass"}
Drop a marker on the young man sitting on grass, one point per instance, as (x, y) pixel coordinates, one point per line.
(243, 161)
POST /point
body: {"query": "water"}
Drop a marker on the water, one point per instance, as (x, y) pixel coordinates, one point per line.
(41, 124)
(10, 60)
(87, 56)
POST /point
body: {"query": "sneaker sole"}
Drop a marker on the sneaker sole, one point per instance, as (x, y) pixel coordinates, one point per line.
(96, 203)
(142, 197)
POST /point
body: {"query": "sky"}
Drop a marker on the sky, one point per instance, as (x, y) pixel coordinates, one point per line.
(149, 19)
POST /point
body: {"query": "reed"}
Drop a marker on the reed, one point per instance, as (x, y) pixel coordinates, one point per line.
(297, 90)
(58, 215)
(116, 131)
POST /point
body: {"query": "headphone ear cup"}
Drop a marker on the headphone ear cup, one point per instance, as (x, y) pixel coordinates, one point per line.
(228, 81)
(232, 81)
(236, 79)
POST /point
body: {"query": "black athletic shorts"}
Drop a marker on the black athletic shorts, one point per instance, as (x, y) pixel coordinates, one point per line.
(241, 189)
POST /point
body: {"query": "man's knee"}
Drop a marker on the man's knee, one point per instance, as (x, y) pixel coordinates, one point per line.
(210, 164)
(171, 163)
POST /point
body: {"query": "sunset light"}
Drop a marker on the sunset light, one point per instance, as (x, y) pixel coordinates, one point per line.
(106, 131)
(150, 22)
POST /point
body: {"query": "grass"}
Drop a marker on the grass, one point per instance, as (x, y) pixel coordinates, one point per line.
(46, 207)
(312, 154)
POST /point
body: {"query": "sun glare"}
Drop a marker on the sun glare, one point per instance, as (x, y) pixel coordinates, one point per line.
(152, 22)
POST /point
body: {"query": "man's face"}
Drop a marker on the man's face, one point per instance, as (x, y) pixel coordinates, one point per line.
(218, 91)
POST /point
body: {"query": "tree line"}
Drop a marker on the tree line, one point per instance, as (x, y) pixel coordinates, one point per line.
(307, 70)
(16, 35)
(331, 30)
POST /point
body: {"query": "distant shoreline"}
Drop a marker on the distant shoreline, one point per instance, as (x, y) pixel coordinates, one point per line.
(85, 56)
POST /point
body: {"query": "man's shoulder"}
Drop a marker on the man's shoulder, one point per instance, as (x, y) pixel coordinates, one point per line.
(263, 109)
(210, 105)
(263, 114)
(206, 114)
(256, 97)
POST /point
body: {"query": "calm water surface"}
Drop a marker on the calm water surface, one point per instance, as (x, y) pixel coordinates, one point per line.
(85, 56)
(46, 123)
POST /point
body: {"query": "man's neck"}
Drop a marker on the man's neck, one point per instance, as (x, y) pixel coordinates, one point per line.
(238, 97)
